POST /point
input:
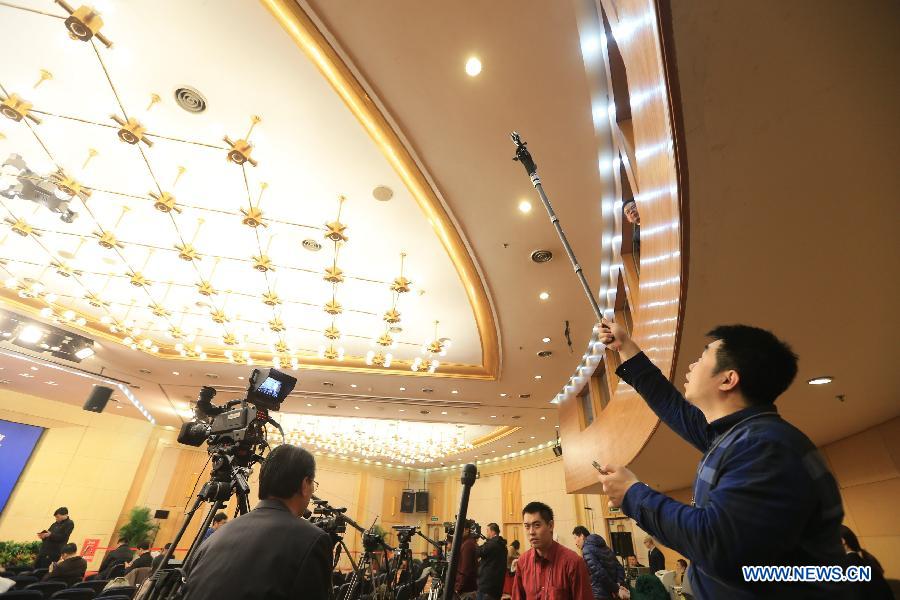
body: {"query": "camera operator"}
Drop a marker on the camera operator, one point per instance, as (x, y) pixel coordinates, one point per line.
(491, 564)
(268, 552)
(467, 575)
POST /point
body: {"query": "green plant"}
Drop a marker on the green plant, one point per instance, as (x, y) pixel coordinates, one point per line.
(379, 531)
(18, 553)
(139, 528)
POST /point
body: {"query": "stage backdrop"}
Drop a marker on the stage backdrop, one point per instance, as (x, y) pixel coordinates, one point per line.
(17, 441)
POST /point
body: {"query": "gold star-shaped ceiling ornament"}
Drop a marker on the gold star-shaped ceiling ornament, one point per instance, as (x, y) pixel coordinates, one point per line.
(84, 23)
(331, 353)
(186, 251)
(205, 288)
(131, 131)
(239, 151)
(21, 227)
(218, 316)
(334, 230)
(176, 333)
(333, 307)
(379, 359)
(332, 332)
(63, 269)
(392, 316)
(16, 108)
(229, 339)
(276, 325)
(262, 263)
(253, 216)
(69, 186)
(281, 347)
(270, 298)
(107, 239)
(165, 202)
(401, 284)
(159, 311)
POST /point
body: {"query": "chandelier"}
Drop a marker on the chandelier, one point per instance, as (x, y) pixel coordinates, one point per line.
(401, 441)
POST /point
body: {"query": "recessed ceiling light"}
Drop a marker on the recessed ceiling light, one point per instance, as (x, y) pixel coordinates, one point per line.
(493, 416)
(308, 404)
(175, 373)
(820, 380)
(332, 406)
(544, 295)
(86, 353)
(383, 193)
(353, 385)
(240, 377)
(473, 66)
(454, 391)
(402, 389)
(402, 410)
(532, 437)
(118, 406)
(537, 377)
(503, 395)
(356, 408)
(543, 418)
(546, 340)
(525, 206)
(443, 412)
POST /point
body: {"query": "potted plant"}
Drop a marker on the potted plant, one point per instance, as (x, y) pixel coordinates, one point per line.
(139, 528)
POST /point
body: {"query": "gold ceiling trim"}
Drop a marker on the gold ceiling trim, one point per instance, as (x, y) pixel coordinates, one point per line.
(498, 434)
(310, 40)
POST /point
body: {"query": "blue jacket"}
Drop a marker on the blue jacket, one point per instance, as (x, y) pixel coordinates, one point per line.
(606, 572)
(763, 496)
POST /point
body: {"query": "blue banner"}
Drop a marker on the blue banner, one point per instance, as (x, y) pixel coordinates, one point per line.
(17, 441)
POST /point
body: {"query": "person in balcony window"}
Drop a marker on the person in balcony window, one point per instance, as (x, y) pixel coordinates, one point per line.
(760, 479)
(631, 213)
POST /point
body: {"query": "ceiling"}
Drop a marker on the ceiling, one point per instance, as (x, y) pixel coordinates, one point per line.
(792, 137)
(310, 150)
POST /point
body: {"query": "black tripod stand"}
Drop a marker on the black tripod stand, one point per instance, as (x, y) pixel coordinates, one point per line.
(372, 543)
(230, 469)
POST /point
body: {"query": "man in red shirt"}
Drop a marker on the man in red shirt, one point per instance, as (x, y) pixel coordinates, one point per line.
(548, 571)
(467, 575)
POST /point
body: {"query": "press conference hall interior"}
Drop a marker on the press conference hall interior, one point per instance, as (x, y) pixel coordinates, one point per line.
(399, 300)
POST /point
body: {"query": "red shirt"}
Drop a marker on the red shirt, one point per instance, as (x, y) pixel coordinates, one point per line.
(467, 573)
(559, 575)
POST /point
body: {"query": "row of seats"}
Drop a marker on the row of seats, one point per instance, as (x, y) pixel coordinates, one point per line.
(83, 590)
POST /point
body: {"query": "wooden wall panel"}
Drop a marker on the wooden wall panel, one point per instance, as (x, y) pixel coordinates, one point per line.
(861, 458)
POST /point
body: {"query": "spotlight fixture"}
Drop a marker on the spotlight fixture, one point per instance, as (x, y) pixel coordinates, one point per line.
(823, 380)
(525, 206)
(546, 340)
(84, 23)
(473, 66)
(544, 295)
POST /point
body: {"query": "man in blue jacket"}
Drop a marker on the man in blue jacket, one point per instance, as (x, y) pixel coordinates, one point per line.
(763, 494)
(607, 574)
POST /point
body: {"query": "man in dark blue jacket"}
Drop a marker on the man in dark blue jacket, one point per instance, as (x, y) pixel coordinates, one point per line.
(607, 574)
(763, 494)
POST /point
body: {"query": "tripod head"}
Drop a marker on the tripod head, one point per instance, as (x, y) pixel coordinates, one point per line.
(522, 154)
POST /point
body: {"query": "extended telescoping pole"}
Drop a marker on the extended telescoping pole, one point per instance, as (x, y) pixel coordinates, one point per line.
(524, 157)
(467, 480)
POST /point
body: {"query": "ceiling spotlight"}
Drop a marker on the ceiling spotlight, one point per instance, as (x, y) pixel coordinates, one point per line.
(454, 391)
(544, 295)
(525, 206)
(543, 418)
(546, 340)
(820, 380)
(537, 377)
(443, 412)
(473, 67)
(308, 404)
(85, 352)
(503, 395)
(175, 373)
(30, 334)
(403, 389)
(353, 385)
(355, 408)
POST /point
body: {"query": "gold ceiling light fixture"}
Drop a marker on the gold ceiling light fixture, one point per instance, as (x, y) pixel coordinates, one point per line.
(186, 251)
(164, 202)
(136, 278)
(431, 350)
(69, 186)
(239, 151)
(334, 274)
(229, 339)
(16, 108)
(271, 298)
(96, 299)
(392, 316)
(334, 230)
(276, 325)
(401, 284)
(84, 23)
(331, 353)
(333, 307)
(263, 263)
(281, 347)
(205, 288)
(63, 269)
(131, 131)
(379, 359)
(21, 227)
(159, 310)
(107, 239)
(253, 216)
(219, 316)
(332, 332)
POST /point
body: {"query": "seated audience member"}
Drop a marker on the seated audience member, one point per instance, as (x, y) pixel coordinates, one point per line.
(606, 572)
(680, 568)
(69, 568)
(876, 588)
(633, 561)
(120, 555)
(157, 560)
(269, 552)
(144, 559)
(218, 520)
(647, 587)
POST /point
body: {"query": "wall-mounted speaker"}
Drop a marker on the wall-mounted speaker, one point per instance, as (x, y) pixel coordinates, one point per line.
(96, 402)
(408, 501)
(161, 514)
(557, 450)
(422, 501)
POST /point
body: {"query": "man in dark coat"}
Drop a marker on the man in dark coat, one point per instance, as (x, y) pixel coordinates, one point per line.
(119, 555)
(606, 572)
(144, 558)
(69, 568)
(491, 564)
(54, 538)
(268, 553)
(654, 556)
(467, 573)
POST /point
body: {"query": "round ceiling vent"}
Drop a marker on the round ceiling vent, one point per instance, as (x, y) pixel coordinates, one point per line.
(212, 376)
(541, 256)
(190, 100)
(424, 412)
(312, 245)
(383, 193)
(145, 371)
(524, 396)
(395, 329)
(328, 383)
(332, 406)
(427, 390)
(545, 353)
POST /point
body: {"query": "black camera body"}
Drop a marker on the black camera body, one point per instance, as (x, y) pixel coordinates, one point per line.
(405, 533)
(470, 524)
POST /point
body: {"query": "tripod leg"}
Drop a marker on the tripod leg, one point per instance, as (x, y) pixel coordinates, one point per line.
(213, 509)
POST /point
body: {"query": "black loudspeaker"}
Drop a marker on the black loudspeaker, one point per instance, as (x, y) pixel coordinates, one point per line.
(621, 543)
(422, 501)
(161, 514)
(408, 501)
(557, 450)
(96, 402)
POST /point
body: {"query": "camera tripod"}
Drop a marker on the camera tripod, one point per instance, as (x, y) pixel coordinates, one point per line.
(371, 544)
(230, 471)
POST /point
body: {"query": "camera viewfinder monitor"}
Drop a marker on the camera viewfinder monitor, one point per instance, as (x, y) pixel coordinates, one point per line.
(269, 388)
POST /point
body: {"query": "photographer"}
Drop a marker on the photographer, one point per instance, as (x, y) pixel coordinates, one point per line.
(763, 494)
(268, 552)
(467, 575)
(491, 564)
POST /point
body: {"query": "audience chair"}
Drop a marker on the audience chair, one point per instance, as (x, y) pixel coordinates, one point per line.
(23, 595)
(47, 588)
(127, 591)
(95, 584)
(74, 594)
(23, 580)
(39, 573)
(137, 576)
(116, 571)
